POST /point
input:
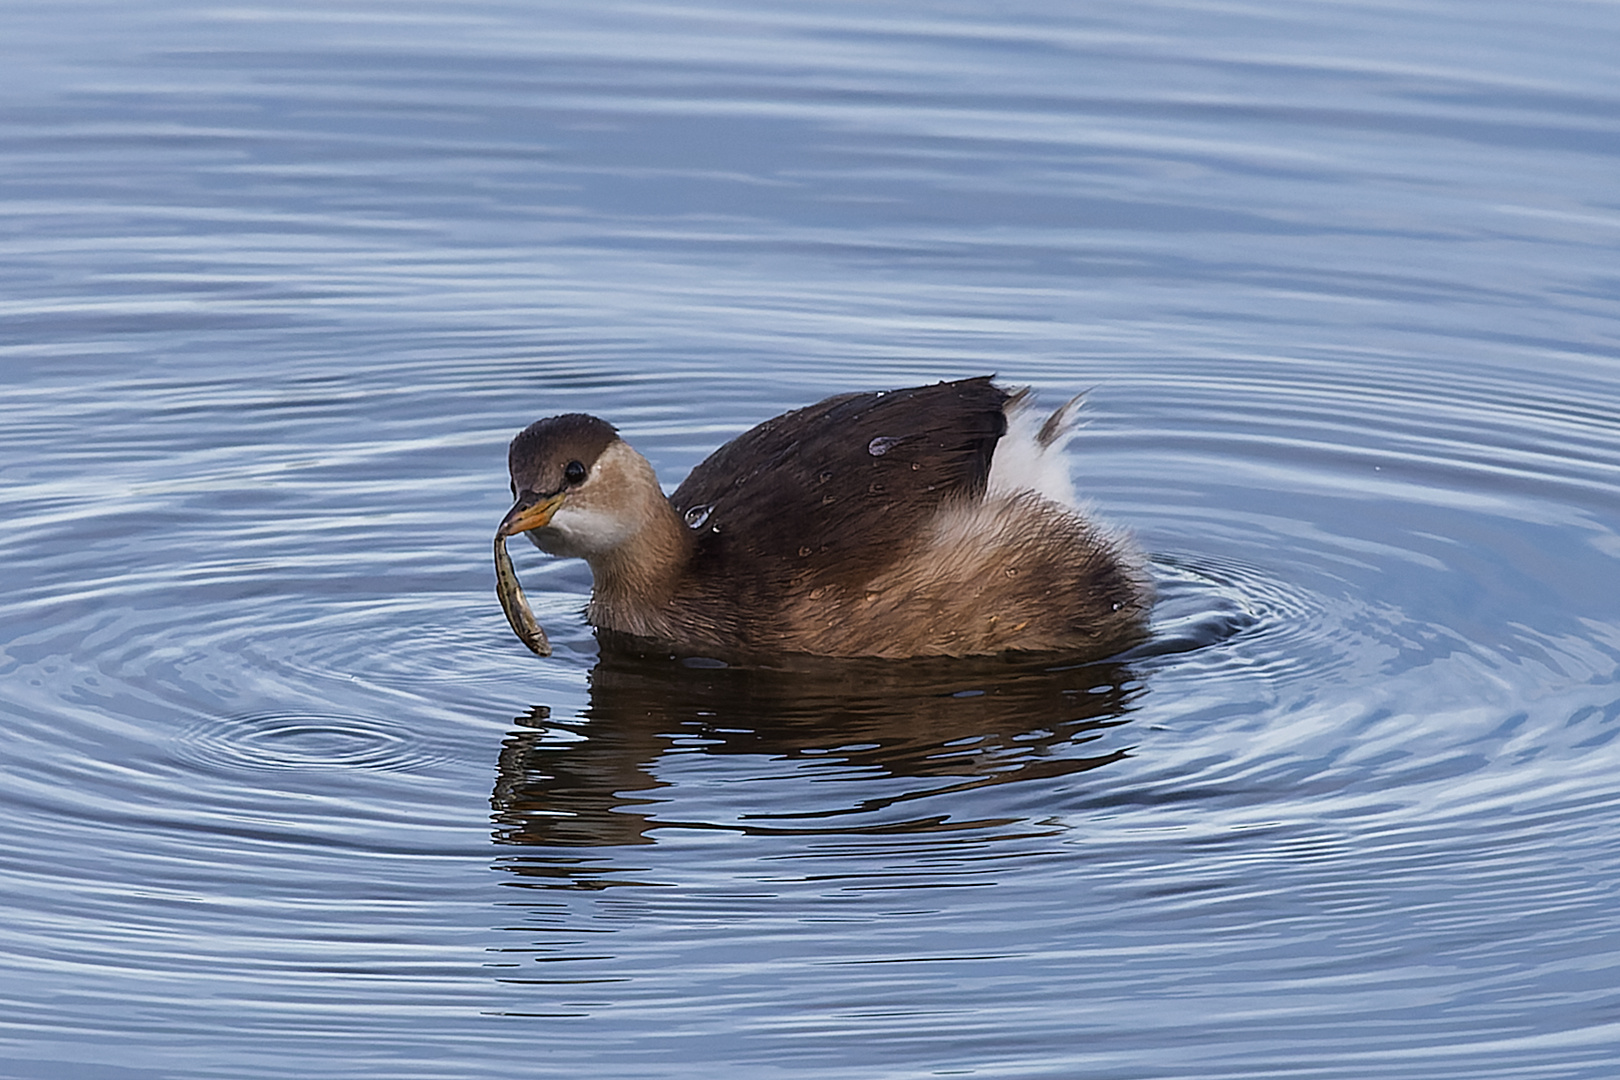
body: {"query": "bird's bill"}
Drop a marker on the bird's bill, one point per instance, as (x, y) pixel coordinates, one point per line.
(526, 515)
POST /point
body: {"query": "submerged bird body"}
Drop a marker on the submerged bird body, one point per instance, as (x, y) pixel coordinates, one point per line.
(931, 521)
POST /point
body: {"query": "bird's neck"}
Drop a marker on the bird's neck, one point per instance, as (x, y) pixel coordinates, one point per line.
(635, 580)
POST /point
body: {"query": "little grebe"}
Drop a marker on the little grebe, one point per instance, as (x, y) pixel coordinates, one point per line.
(935, 521)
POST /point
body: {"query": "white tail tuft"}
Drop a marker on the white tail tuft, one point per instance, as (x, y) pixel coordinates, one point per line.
(1030, 457)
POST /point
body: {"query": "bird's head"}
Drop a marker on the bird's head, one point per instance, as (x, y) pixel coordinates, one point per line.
(579, 489)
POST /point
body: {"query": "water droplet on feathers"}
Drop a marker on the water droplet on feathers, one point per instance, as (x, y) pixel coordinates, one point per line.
(883, 444)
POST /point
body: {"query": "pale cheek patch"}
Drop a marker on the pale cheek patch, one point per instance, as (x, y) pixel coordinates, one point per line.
(578, 531)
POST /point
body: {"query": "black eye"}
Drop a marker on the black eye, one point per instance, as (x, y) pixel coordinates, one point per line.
(574, 472)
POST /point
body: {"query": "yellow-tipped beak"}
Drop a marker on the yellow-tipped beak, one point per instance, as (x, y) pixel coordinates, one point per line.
(526, 515)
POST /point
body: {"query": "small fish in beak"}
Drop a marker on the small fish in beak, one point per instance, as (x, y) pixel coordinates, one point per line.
(513, 602)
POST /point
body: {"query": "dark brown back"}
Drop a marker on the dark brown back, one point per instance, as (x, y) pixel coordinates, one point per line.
(833, 492)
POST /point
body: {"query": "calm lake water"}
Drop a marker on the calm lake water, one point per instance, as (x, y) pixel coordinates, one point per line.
(283, 797)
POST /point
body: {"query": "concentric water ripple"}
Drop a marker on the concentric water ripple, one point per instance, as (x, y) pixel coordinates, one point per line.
(303, 742)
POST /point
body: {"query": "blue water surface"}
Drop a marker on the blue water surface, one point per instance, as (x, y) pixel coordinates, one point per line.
(284, 798)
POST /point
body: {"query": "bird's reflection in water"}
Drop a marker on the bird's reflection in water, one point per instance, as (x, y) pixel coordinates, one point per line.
(902, 737)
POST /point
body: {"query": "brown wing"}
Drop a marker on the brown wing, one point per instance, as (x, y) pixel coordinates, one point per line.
(834, 492)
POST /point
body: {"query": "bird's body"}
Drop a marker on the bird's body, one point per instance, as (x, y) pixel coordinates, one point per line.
(930, 521)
